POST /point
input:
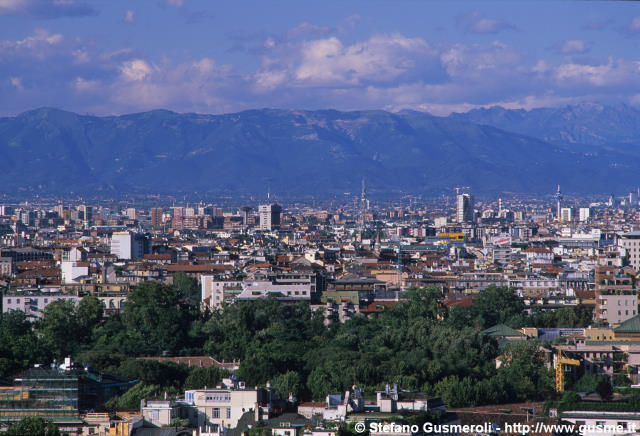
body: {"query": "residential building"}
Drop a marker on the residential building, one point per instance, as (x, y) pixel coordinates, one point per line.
(269, 216)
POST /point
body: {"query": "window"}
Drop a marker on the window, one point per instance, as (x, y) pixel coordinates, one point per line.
(228, 412)
(215, 413)
(155, 415)
(9, 301)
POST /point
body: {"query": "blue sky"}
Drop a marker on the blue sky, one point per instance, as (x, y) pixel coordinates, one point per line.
(114, 57)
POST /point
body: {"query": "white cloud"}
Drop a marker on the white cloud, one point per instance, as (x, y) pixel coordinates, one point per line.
(129, 16)
(475, 22)
(475, 61)
(135, 70)
(572, 46)
(17, 82)
(46, 8)
(380, 58)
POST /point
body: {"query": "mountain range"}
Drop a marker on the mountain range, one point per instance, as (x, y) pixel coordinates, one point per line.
(587, 148)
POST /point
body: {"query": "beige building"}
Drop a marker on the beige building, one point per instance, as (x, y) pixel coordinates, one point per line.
(220, 409)
(631, 243)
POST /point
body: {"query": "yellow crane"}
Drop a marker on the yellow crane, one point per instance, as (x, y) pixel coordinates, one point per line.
(560, 364)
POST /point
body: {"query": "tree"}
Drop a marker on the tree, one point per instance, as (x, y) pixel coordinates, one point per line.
(58, 327)
(604, 390)
(188, 287)
(287, 383)
(33, 426)
(89, 312)
(156, 315)
(201, 377)
(19, 346)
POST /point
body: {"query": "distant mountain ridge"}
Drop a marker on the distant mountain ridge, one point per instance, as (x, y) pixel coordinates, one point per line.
(314, 152)
(584, 123)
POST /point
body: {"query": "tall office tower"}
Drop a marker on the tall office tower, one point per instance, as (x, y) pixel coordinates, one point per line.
(464, 208)
(584, 213)
(87, 213)
(156, 217)
(244, 213)
(6, 210)
(127, 245)
(269, 216)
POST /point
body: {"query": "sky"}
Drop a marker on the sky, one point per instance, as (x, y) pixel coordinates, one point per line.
(211, 56)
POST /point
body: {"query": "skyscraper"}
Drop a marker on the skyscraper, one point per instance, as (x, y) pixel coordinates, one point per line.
(269, 216)
(156, 217)
(464, 210)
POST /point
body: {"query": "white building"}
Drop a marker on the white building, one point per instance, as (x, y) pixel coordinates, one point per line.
(127, 245)
(215, 292)
(584, 213)
(72, 272)
(269, 216)
(566, 214)
(33, 302)
(464, 208)
(220, 409)
(630, 242)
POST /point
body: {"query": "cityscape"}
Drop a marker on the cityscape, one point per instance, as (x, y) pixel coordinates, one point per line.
(288, 218)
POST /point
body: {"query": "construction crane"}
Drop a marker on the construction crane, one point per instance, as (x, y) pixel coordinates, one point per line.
(561, 362)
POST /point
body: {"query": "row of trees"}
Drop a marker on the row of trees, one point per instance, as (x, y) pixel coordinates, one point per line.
(419, 344)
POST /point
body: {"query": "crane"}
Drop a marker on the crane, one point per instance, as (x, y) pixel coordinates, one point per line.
(561, 362)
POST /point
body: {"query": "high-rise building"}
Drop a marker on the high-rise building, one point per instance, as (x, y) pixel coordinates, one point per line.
(127, 245)
(6, 210)
(131, 213)
(566, 214)
(87, 213)
(584, 213)
(464, 210)
(156, 217)
(269, 216)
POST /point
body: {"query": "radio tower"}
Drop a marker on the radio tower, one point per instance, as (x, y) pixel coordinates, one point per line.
(558, 200)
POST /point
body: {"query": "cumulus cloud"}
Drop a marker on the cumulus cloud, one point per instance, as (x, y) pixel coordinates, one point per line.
(329, 62)
(308, 69)
(46, 8)
(475, 22)
(39, 45)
